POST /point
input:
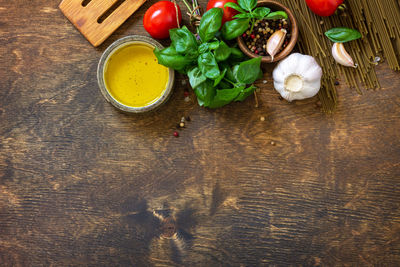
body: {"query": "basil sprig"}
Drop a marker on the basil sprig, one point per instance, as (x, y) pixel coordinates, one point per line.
(217, 72)
(342, 35)
(248, 14)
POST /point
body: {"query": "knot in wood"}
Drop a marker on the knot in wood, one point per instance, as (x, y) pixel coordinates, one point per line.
(168, 228)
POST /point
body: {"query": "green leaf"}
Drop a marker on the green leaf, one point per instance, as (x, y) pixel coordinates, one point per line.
(247, 4)
(234, 6)
(260, 74)
(196, 77)
(205, 93)
(224, 84)
(214, 45)
(277, 15)
(224, 97)
(261, 12)
(249, 70)
(234, 28)
(183, 40)
(203, 48)
(342, 35)
(234, 72)
(172, 59)
(242, 16)
(229, 75)
(210, 23)
(222, 52)
(208, 65)
(245, 93)
(220, 77)
(236, 54)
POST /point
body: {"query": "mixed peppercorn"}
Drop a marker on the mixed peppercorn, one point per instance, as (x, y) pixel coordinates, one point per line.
(256, 40)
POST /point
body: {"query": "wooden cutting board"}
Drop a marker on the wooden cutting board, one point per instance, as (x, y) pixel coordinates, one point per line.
(98, 19)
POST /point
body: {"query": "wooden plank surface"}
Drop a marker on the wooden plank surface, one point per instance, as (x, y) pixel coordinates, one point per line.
(84, 185)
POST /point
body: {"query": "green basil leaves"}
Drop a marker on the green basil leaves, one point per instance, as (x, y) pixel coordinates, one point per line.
(170, 58)
(342, 35)
(248, 71)
(234, 28)
(183, 40)
(247, 4)
(222, 52)
(216, 71)
(210, 23)
(277, 15)
(261, 12)
(208, 65)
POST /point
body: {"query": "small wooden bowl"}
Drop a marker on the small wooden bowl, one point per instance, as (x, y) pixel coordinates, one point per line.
(294, 31)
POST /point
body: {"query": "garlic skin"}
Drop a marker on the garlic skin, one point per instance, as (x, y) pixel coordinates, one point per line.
(341, 56)
(275, 42)
(297, 77)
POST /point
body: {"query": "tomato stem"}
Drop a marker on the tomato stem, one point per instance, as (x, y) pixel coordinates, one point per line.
(342, 7)
(177, 13)
(187, 5)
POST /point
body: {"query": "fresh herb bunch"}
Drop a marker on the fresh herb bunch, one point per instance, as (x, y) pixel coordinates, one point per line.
(216, 71)
(247, 17)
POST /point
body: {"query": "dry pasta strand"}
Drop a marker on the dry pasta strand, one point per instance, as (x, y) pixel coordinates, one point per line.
(378, 23)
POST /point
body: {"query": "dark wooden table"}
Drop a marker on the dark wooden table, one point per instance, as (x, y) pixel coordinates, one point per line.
(82, 184)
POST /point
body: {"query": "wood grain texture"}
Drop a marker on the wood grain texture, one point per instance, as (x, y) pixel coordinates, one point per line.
(98, 19)
(83, 185)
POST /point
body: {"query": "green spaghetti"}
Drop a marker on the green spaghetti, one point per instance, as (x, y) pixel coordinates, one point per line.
(378, 22)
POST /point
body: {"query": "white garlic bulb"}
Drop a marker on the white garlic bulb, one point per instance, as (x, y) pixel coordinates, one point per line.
(297, 77)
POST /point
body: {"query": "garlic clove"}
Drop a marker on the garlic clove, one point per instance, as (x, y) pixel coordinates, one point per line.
(275, 42)
(306, 65)
(313, 73)
(309, 89)
(279, 76)
(341, 56)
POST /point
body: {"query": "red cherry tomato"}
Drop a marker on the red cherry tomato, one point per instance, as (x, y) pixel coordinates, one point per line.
(228, 12)
(160, 18)
(324, 8)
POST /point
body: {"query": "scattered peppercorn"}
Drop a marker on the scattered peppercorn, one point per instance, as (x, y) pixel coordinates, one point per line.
(176, 134)
(337, 83)
(186, 93)
(262, 118)
(182, 124)
(188, 118)
(273, 143)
